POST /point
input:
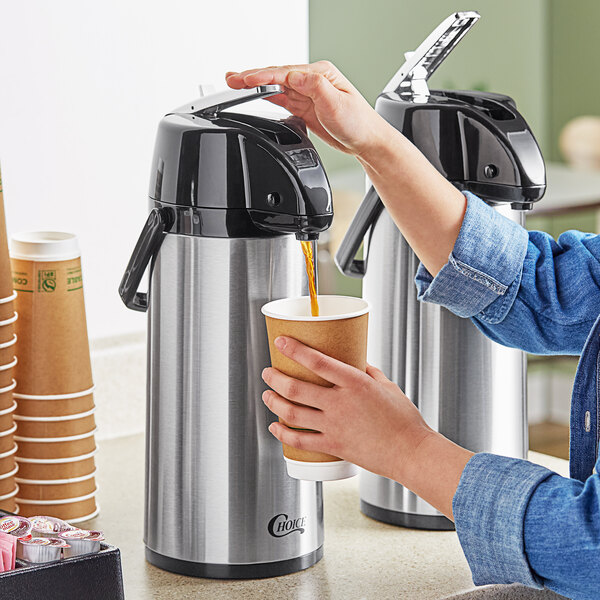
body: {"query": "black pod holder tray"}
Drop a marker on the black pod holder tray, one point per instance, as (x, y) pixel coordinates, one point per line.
(90, 576)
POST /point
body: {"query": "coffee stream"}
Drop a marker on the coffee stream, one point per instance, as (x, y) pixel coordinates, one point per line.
(307, 249)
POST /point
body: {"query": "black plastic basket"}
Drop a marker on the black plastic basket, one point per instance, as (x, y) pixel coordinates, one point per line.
(87, 577)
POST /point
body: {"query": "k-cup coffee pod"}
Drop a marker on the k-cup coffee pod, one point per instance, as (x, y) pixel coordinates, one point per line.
(40, 550)
(55, 404)
(15, 525)
(53, 341)
(81, 541)
(6, 372)
(60, 468)
(44, 526)
(340, 331)
(6, 395)
(7, 349)
(58, 447)
(61, 426)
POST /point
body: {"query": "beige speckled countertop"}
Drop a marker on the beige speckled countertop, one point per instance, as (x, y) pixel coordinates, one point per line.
(363, 559)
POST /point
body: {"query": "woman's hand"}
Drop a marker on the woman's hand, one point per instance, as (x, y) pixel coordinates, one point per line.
(327, 102)
(427, 209)
(365, 419)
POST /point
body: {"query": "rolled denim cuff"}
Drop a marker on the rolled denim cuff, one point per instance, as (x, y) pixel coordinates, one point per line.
(483, 272)
(489, 513)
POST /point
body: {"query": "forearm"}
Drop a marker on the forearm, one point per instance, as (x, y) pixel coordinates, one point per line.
(427, 209)
(433, 469)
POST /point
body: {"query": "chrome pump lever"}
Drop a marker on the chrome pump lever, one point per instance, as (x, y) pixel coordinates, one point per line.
(420, 65)
(214, 103)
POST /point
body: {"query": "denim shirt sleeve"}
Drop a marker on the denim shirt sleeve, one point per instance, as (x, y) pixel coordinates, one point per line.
(521, 523)
(489, 513)
(522, 289)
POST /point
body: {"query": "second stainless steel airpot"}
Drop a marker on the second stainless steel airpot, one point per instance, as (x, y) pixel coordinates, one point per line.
(466, 386)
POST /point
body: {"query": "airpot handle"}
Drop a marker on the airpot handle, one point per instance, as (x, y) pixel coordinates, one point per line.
(215, 103)
(146, 248)
(365, 218)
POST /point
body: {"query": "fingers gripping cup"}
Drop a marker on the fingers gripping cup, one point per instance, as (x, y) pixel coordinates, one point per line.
(340, 331)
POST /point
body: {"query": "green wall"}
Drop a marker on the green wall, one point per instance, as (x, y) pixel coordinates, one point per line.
(543, 53)
(574, 72)
(504, 52)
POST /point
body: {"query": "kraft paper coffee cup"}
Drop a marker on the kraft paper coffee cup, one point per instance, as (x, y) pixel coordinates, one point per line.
(340, 332)
(7, 307)
(56, 490)
(59, 468)
(68, 509)
(7, 350)
(42, 427)
(8, 501)
(6, 395)
(7, 328)
(9, 506)
(6, 285)
(53, 347)
(7, 371)
(60, 447)
(55, 405)
(7, 460)
(7, 440)
(7, 417)
(7, 481)
(80, 520)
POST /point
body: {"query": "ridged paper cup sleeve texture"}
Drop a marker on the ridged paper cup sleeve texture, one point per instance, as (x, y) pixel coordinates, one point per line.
(56, 469)
(340, 332)
(53, 346)
(71, 511)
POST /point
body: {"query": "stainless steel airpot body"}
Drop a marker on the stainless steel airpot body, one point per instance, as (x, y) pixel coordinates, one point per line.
(227, 193)
(466, 386)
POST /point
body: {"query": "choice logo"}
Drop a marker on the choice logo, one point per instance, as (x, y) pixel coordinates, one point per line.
(280, 525)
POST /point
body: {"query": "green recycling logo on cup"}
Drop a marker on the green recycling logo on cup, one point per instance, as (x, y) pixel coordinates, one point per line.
(46, 281)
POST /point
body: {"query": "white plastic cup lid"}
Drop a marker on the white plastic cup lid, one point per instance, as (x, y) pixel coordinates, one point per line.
(320, 471)
(44, 246)
(331, 308)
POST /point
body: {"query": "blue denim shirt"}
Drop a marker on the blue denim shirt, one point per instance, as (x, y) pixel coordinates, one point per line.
(519, 522)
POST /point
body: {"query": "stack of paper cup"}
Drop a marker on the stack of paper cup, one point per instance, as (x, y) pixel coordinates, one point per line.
(54, 393)
(8, 339)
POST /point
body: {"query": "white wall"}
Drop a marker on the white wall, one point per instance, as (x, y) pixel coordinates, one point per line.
(83, 86)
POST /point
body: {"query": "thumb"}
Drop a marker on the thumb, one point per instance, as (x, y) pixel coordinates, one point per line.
(317, 87)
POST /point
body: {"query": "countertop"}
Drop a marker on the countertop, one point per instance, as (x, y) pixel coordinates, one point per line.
(363, 559)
